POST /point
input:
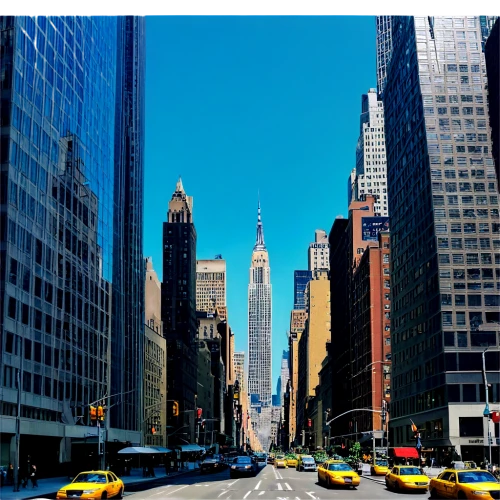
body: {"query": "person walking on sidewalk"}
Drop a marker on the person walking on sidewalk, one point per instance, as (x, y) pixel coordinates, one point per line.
(33, 477)
(10, 475)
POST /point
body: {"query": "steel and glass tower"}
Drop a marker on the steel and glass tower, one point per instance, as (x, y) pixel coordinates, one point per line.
(259, 338)
(384, 50)
(445, 234)
(71, 97)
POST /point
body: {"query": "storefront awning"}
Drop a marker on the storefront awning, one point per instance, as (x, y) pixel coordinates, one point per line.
(405, 452)
(136, 450)
(190, 447)
(160, 449)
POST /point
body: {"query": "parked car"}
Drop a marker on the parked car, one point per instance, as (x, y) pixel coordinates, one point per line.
(93, 484)
(243, 465)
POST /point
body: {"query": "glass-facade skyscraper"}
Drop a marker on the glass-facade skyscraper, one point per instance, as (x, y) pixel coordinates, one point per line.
(445, 235)
(300, 281)
(62, 102)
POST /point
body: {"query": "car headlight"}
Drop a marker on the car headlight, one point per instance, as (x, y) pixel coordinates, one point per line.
(480, 492)
(337, 477)
(90, 491)
(233, 466)
(248, 466)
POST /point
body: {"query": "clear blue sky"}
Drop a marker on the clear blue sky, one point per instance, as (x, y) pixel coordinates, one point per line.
(241, 104)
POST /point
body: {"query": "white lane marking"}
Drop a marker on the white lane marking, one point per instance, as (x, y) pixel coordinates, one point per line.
(258, 484)
(247, 494)
(230, 484)
(310, 493)
(261, 493)
(280, 487)
(162, 491)
(288, 486)
(178, 489)
(297, 498)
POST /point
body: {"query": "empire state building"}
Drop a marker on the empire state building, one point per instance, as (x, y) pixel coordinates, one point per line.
(259, 338)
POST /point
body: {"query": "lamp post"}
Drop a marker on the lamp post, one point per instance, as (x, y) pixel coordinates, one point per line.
(486, 412)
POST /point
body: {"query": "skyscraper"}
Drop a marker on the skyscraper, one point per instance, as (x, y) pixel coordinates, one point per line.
(384, 49)
(210, 284)
(445, 233)
(62, 106)
(259, 338)
(319, 251)
(128, 265)
(370, 175)
(300, 281)
(178, 294)
(239, 369)
(285, 375)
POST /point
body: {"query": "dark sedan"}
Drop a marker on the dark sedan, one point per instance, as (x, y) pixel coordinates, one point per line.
(243, 465)
(212, 464)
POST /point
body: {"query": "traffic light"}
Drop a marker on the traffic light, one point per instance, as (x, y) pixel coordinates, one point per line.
(100, 413)
(93, 413)
(175, 409)
(153, 430)
(309, 422)
(199, 413)
(495, 416)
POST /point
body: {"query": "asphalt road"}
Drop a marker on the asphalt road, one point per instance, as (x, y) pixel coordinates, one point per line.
(269, 484)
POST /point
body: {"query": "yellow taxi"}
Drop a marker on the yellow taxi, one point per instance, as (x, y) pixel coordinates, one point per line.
(280, 461)
(93, 484)
(337, 472)
(406, 477)
(379, 468)
(291, 460)
(465, 483)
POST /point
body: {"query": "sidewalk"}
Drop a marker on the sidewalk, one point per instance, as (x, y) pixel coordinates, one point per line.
(430, 472)
(52, 485)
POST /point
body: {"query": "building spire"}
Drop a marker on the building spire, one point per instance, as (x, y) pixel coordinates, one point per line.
(259, 243)
(179, 188)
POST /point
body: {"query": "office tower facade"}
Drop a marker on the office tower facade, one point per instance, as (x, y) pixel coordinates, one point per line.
(297, 324)
(445, 249)
(491, 52)
(340, 266)
(312, 343)
(370, 175)
(259, 337)
(152, 296)
(127, 334)
(318, 253)
(384, 49)
(239, 369)
(155, 362)
(210, 284)
(61, 103)
(300, 281)
(371, 334)
(285, 375)
(178, 306)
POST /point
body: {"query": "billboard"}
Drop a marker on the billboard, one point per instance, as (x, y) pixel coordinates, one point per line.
(371, 226)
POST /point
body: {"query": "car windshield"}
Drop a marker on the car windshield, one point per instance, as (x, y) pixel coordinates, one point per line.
(381, 462)
(90, 477)
(307, 460)
(476, 477)
(242, 460)
(339, 467)
(280, 457)
(409, 471)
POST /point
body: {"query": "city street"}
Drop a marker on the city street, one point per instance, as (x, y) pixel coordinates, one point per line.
(270, 483)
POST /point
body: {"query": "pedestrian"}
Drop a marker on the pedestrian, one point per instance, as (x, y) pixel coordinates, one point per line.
(33, 477)
(10, 474)
(20, 477)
